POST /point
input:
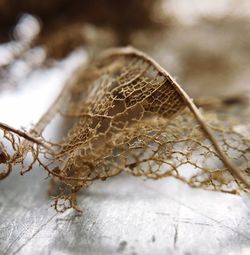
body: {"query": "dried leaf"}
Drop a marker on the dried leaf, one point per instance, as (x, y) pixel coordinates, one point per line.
(132, 116)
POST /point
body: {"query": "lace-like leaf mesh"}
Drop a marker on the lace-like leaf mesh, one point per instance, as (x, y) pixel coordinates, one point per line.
(130, 117)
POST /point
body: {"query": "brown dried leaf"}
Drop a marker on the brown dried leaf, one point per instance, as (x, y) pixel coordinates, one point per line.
(132, 116)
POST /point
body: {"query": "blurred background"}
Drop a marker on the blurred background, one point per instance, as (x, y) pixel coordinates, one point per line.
(204, 45)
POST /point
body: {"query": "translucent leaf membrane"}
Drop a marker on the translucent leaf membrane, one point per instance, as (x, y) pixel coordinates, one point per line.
(131, 116)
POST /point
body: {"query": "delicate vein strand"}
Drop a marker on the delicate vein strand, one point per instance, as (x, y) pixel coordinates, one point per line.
(23, 134)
